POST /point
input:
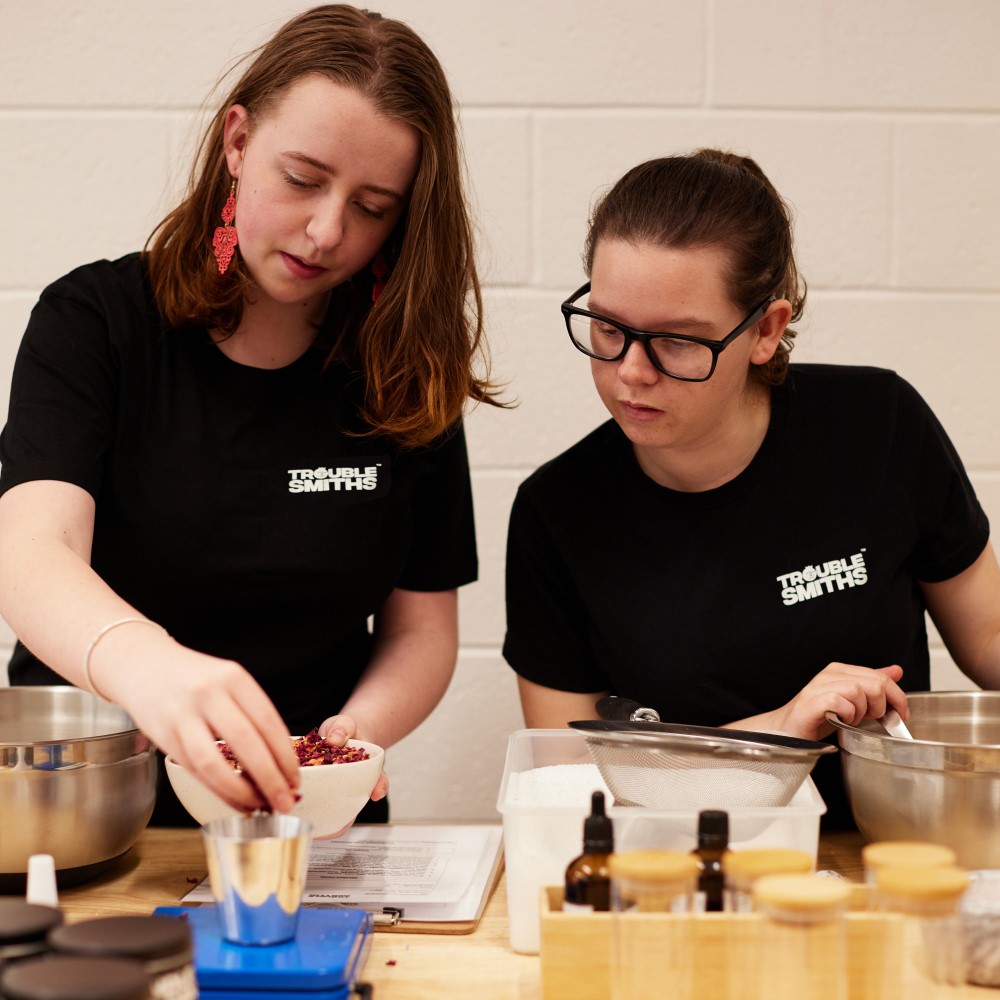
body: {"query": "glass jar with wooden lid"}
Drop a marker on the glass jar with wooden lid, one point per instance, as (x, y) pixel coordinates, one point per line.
(803, 940)
(742, 868)
(903, 854)
(930, 959)
(652, 945)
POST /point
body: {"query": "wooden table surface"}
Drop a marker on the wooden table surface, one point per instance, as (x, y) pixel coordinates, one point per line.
(164, 864)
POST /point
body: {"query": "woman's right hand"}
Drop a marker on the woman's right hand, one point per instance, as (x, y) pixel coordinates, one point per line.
(184, 701)
(851, 692)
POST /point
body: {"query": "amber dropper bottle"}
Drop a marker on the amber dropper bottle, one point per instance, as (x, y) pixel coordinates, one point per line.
(588, 881)
(713, 842)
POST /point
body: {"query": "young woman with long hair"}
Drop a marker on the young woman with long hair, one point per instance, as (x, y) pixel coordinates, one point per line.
(228, 452)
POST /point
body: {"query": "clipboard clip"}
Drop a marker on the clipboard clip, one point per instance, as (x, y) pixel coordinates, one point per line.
(388, 916)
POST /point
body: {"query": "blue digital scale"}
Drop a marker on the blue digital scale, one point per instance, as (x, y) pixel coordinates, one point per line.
(322, 962)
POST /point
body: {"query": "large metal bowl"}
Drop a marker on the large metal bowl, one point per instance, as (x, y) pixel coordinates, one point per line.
(943, 786)
(77, 781)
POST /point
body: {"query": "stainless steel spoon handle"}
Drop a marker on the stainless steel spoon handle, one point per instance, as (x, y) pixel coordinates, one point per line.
(894, 725)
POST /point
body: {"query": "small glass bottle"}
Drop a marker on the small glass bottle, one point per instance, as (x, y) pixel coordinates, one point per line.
(803, 942)
(905, 854)
(930, 960)
(588, 880)
(713, 843)
(652, 944)
(161, 945)
(24, 928)
(67, 977)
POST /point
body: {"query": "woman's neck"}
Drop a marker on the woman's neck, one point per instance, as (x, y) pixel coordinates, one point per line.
(271, 334)
(714, 461)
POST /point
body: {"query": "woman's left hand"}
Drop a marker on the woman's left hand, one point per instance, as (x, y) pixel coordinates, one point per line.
(338, 729)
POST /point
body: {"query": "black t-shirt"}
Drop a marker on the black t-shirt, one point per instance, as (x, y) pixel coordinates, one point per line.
(232, 505)
(718, 605)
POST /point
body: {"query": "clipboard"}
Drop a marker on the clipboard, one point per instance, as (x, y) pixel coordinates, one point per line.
(393, 919)
(444, 879)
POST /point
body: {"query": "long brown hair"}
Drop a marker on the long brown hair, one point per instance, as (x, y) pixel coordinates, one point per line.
(711, 198)
(418, 349)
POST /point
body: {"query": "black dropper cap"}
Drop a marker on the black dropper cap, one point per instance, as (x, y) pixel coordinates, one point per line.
(598, 833)
(713, 828)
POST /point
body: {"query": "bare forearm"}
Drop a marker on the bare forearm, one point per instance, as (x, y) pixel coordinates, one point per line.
(416, 645)
(966, 611)
(547, 708)
(402, 684)
(984, 670)
(55, 602)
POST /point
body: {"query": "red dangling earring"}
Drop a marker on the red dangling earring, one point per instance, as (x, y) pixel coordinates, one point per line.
(225, 239)
(381, 271)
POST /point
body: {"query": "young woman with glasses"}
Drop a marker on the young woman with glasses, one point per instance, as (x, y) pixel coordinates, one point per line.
(745, 541)
(250, 434)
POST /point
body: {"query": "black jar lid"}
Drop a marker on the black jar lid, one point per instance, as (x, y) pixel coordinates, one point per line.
(69, 977)
(161, 941)
(21, 921)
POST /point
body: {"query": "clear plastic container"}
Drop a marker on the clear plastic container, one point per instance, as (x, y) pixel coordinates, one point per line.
(930, 959)
(652, 938)
(803, 943)
(545, 795)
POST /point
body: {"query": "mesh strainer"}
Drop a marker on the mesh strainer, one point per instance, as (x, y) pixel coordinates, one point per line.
(667, 766)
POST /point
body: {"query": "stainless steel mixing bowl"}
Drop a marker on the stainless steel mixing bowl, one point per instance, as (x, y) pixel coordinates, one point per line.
(942, 786)
(77, 781)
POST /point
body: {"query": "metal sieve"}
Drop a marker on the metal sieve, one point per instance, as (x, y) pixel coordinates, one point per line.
(671, 766)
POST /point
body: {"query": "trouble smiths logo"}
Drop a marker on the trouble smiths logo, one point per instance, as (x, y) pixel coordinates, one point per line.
(827, 578)
(343, 479)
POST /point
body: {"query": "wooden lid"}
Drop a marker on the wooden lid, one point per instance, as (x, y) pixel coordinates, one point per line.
(802, 895)
(743, 867)
(907, 853)
(941, 887)
(653, 866)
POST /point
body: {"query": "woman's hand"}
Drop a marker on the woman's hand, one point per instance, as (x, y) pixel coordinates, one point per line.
(416, 643)
(184, 701)
(338, 729)
(853, 693)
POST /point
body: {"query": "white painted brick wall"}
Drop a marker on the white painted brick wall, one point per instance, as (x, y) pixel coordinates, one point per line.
(879, 121)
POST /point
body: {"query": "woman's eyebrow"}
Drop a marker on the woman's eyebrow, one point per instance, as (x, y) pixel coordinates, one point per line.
(327, 169)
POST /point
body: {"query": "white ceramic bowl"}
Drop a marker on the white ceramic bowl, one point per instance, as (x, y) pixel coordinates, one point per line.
(332, 794)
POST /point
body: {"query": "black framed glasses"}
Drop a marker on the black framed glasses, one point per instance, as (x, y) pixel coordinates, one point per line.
(690, 359)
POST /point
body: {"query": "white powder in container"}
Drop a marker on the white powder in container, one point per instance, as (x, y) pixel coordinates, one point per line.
(543, 812)
(556, 785)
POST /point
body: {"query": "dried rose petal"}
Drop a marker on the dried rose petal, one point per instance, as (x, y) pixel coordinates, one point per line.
(312, 750)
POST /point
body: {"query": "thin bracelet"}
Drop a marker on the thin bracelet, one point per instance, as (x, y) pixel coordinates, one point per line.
(91, 686)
